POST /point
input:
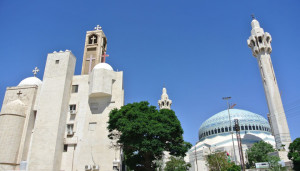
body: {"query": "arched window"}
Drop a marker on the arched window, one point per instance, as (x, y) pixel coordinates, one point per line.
(222, 129)
(167, 103)
(253, 127)
(242, 127)
(212, 132)
(250, 128)
(163, 103)
(257, 127)
(253, 43)
(219, 130)
(246, 127)
(93, 39)
(226, 129)
(215, 131)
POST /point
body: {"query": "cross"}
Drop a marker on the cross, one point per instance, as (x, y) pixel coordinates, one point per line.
(35, 71)
(103, 57)
(93, 39)
(19, 93)
(91, 61)
(98, 27)
(253, 17)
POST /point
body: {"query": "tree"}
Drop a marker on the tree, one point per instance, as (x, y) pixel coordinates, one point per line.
(273, 163)
(259, 152)
(145, 133)
(294, 153)
(219, 162)
(177, 164)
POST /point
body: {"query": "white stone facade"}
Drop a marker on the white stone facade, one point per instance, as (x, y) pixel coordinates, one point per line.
(60, 123)
(260, 44)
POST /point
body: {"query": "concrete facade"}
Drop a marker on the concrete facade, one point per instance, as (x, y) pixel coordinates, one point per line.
(260, 44)
(60, 123)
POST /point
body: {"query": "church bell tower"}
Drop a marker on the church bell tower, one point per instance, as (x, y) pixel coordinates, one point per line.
(165, 102)
(260, 44)
(94, 50)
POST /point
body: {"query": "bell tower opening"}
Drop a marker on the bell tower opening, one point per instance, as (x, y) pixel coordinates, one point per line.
(94, 49)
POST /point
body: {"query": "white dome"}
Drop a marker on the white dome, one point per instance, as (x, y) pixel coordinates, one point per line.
(30, 81)
(103, 66)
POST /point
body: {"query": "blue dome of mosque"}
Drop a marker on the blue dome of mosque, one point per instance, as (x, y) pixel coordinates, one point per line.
(219, 123)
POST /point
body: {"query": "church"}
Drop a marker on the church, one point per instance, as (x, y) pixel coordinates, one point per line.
(60, 122)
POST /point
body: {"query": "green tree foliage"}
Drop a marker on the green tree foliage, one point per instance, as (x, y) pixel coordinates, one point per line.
(177, 164)
(145, 133)
(273, 163)
(219, 162)
(259, 152)
(294, 153)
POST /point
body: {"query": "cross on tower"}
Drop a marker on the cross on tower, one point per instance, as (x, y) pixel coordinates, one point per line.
(91, 61)
(19, 93)
(93, 39)
(253, 17)
(35, 71)
(98, 27)
(103, 57)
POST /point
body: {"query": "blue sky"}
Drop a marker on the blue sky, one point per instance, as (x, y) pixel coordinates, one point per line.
(198, 49)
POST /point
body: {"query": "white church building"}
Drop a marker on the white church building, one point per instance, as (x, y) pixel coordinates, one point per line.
(60, 122)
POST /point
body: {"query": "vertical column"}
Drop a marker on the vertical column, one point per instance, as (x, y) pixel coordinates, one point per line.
(48, 138)
(260, 44)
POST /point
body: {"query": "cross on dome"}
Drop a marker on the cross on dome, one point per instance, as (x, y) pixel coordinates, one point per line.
(35, 71)
(253, 17)
(98, 27)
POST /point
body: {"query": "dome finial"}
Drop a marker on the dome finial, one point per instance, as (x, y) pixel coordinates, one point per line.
(35, 71)
(253, 17)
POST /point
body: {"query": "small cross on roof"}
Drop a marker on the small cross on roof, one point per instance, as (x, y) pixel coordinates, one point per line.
(35, 71)
(253, 17)
(98, 27)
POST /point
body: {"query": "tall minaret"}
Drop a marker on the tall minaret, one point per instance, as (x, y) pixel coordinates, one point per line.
(94, 49)
(165, 102)
(260, 44)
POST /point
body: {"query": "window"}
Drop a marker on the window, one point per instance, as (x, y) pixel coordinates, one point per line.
(92, 126)
(56, 61)
(70, 129)
(219, 130)
(242, 127)
(226, 129)
(65, 147)
(93, 39)
(246, 127)
(72, 107)
(256, 127)
(253, 127)
(74, 88)
(250, 128)
(260, 128)
(222, 129)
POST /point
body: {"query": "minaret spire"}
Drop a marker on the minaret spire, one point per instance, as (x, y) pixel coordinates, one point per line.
(165, 102)
(260, 44)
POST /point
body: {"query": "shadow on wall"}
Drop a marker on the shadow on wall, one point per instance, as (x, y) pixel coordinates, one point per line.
(98, 104)
(250, 139)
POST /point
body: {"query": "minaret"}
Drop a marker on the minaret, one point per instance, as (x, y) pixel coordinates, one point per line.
(165, 102)
(260, 44)
(94, 49)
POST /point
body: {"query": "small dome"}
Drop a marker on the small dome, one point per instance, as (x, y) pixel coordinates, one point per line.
(219, 123)
(30, 81)
(103, 66)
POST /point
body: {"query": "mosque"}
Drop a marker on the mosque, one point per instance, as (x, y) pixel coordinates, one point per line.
(215, 135)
